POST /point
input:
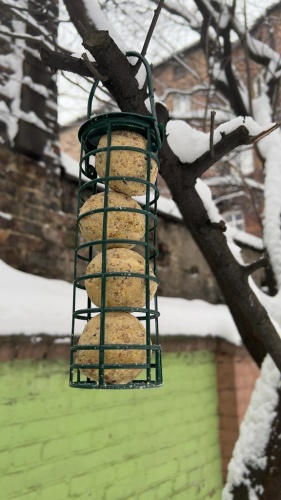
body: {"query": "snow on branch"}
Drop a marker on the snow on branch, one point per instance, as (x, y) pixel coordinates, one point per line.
(259, 51)
(191, 145)
(250, 450)
(87, 15)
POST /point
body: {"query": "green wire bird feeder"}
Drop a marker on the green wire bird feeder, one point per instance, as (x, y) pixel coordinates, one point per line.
(117, 329)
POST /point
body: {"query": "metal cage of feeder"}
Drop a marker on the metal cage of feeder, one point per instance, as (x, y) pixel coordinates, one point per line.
(89, 184)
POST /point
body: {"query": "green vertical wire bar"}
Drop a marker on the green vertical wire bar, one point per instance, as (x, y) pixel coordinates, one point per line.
(91, 96)
(75, 274)
(158, 358)
(104, 258)
(147, 256)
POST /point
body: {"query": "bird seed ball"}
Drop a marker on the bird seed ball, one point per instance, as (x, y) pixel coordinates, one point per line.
(126, 163)
(120, 328)
(120, 224)
(124, 291)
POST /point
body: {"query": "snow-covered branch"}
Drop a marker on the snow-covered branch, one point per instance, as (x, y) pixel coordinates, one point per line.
(193, 146)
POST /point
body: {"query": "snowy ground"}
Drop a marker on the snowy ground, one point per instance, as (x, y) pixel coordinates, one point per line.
(33, 305)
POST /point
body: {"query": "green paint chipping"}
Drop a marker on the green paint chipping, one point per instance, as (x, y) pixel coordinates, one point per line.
(62, 443)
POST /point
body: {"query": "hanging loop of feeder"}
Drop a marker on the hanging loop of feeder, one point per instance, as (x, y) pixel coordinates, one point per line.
(115, 308)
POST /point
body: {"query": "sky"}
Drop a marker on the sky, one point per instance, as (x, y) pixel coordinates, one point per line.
(131, 21)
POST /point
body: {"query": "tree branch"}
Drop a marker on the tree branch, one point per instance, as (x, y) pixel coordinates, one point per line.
(152, 27)
(234, 94)
(113, 63)
(238, 137)
(254, 266)
(93, 69)
(56, 61)
(212, 153)
(149, 34)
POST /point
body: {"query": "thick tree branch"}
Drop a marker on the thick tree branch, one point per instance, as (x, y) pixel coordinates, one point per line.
(152, 27)
(234, 94)
(79, 16)
(267, 475)
(93, 69)
(254, 266)
(56, 61)
(229, 88)
(114, 64)
(238, 137)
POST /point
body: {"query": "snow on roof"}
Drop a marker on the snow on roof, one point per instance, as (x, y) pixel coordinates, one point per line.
(34, 305)
(70, 166)
(226, 180)
(247, 239)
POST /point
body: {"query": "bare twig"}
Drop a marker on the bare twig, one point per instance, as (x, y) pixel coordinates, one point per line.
(149, 33)
(212, 153)
(93, 70)
(152, 26)
(263, 134)
(247, 61)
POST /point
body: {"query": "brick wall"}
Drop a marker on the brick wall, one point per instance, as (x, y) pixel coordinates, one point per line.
(64, 443)
(236, 377)
(37, 226)
(37, 222)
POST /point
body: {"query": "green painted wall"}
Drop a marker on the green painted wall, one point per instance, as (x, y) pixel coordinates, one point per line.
(58, 443)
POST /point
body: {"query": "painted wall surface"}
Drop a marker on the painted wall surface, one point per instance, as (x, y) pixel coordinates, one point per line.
(60, 443)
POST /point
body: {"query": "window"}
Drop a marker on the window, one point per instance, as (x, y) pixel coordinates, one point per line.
(247, 161)
(244, 160)
(181, 105)
(234, 219)
(179, 72)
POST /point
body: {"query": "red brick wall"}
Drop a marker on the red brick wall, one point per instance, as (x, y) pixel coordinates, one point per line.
(236, 377)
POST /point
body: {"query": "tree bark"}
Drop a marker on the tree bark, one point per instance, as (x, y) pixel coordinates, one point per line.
(269, 476)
